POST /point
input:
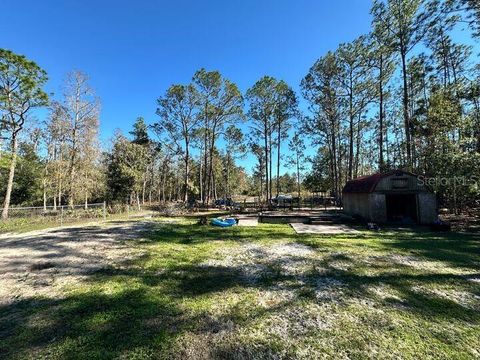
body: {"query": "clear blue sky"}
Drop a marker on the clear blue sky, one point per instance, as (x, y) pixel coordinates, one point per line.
(133, 50)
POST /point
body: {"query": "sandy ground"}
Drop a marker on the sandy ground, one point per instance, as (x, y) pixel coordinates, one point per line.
(328, 229)
(39, 263)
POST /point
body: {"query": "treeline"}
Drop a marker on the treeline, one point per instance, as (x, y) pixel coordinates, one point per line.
(142, 169)
(59, 160)
(406, 95)
(189, 153)
(55, 160)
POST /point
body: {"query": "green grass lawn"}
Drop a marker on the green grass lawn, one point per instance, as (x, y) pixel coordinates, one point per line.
(199, 292)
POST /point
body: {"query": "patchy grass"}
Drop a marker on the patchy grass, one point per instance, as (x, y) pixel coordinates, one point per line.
(200, 292)
(20, 225)
(33, 223)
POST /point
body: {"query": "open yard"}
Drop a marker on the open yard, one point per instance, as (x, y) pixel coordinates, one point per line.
(169, 288)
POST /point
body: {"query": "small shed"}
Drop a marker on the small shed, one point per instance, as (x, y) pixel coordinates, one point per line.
(396, 196)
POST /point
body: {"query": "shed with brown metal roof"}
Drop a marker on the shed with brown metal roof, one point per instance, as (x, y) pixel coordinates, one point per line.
(396, 196)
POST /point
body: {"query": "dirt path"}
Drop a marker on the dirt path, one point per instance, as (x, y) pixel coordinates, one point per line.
(39, 263)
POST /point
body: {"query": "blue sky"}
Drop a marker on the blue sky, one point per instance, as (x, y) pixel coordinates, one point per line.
(133, 50)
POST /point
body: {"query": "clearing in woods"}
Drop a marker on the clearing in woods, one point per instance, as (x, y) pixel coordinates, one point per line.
(170, 288)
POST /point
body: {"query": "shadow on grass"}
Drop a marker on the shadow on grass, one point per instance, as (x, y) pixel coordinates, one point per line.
(456, 249)
(132, 323)
(144, 320)
(459, 251)
(410, 295)
(195, 234)
(89, 325)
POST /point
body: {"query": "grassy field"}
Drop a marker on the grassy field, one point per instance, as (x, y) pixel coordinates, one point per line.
(197, 292)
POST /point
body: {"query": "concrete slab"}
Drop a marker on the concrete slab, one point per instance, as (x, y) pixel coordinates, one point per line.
(330, 229)
(247, 221)
(301, 216)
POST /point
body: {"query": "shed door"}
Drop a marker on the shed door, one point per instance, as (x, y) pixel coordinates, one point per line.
(402, 208)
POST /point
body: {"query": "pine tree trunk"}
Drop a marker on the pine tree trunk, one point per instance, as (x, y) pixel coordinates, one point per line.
(476, 104)
(261, 179)
(350, 139)
(334, 158)
(278, 159)
(187, 171)
(406, 115)
(381, 162)
(144, 188)
(298, 176)
(11, 175)
(357, 150)
(45, 194)
(163, 191)
(266, 164)
(210, 166)
(227, 185)
(270, 185)
(205, 164)
(60, 194)
(200, 180)
(214, 186)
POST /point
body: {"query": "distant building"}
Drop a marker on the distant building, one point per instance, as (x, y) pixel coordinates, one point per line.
(396, 196)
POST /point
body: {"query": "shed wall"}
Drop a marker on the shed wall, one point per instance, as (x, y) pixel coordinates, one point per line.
(427, 208)
(378, 208)
(357, 204)
(412, 184)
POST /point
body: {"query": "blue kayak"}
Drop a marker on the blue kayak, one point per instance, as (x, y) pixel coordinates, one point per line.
(223, 223)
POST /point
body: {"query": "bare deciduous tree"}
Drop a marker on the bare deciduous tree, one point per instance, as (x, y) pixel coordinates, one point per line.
(82, 110)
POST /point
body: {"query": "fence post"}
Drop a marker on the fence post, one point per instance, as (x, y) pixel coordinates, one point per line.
(104, 211)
